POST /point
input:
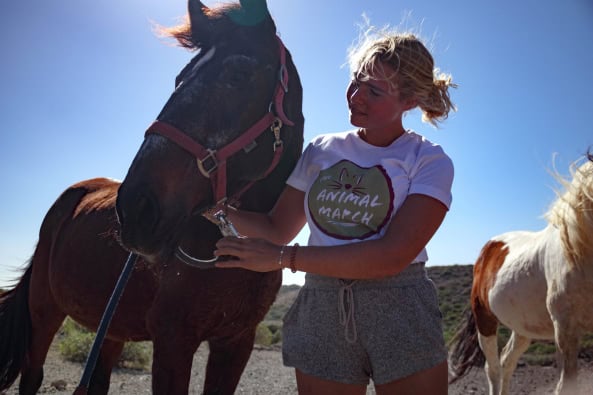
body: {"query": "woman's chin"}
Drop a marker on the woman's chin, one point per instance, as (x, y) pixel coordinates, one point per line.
(355, 121)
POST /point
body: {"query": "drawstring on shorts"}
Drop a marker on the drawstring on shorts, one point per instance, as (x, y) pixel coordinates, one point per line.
(345, 293)
(346, 310)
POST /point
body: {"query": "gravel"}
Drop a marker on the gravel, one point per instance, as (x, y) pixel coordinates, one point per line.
(265, 374)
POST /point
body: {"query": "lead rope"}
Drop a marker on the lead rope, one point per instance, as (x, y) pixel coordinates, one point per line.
(91, 361)
(346, 311)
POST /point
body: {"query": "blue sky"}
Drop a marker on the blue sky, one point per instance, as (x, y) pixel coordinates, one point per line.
(80, 82)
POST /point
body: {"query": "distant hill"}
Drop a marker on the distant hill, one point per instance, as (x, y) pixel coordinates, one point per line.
(453, 283)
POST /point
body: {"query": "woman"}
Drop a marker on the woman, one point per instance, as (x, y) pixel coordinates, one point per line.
(373, 197)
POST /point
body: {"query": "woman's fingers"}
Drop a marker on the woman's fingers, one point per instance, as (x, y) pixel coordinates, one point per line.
(229, 246)
(253, 254)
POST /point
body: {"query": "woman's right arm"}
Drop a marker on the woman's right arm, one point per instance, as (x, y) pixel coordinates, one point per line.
(280, 225)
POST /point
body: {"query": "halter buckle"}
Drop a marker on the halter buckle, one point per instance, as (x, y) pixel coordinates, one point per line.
(208, 164)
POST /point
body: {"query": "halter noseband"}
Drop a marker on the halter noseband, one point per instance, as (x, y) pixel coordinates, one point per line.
(212, 163)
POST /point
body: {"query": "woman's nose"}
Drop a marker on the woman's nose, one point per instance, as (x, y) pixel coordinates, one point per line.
(355, 94)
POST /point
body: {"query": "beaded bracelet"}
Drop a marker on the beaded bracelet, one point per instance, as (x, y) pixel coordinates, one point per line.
(293, 252)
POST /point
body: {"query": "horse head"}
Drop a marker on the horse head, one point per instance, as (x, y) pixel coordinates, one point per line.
(232, 129)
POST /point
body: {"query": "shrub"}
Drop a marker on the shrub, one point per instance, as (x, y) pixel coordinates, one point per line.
(75, 341)
(263, 335)
(75, 344)
(277, 337)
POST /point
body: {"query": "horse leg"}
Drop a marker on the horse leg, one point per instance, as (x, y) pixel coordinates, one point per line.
(171, 364)
(42, 337)
(511, 353)
(108, 357)
(226, 362)
(46, 319)
(489, 346)
(567, 344)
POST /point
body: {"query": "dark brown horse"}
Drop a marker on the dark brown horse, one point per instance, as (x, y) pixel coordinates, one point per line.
(231, 129)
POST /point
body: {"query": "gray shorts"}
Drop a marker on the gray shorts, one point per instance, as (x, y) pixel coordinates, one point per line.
(351, 332)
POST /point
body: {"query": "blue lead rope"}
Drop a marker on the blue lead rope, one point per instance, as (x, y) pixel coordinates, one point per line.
(104, 325)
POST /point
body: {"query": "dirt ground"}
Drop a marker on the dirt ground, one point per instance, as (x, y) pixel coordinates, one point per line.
(265, 375)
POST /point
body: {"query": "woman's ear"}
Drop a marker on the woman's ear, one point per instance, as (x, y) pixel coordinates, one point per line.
(410, 104)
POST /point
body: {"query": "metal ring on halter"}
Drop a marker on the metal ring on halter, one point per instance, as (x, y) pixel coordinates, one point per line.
(226, 228)
(195, 262)
(282, 73)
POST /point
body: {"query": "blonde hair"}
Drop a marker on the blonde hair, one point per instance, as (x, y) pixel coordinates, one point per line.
(414, 73)
(572, 212)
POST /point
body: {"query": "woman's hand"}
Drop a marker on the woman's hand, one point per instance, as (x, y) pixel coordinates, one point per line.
(253, 254)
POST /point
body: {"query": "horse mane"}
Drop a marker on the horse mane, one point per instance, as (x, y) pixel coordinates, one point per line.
(181, 32)
(572, 212)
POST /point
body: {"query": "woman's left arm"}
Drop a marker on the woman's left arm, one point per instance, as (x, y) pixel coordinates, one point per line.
(410, 230)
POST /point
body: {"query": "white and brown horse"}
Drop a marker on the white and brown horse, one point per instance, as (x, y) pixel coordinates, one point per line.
(537, 284)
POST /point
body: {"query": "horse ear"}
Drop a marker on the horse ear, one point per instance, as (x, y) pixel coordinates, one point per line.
(199, 21)
(196, 13)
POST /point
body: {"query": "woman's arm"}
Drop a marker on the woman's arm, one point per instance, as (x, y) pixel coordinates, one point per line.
(280, 225)
(411, 228)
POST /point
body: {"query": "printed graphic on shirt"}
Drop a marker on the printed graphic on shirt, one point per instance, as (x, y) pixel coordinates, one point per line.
(351, 202)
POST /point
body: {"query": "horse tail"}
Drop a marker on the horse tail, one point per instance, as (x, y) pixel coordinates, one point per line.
(15, 329)
(464, 349)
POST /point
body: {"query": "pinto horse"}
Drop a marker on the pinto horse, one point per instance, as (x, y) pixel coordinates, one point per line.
(537, 284)
(232, 130)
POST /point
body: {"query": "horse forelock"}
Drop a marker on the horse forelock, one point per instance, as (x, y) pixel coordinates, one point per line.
(572, 213)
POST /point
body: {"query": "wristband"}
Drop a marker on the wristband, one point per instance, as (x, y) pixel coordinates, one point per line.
(292, 262)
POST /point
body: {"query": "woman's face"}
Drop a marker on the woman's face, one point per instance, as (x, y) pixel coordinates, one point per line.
(374, 104)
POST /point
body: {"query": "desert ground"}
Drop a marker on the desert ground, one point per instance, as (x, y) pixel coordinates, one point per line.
(265, 374)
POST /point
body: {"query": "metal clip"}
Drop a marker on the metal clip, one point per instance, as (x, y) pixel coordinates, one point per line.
(226, 227)
(276, 126)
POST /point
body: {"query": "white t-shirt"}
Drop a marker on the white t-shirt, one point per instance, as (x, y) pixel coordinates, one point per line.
(352, 188)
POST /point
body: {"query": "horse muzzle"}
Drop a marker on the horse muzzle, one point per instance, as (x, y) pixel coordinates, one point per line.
(142, 225)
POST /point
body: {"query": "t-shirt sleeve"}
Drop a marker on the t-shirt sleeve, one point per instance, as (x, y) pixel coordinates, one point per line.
(432, 175)
(299, 178)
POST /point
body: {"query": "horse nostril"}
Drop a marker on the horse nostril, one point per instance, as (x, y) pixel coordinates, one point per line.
(137, 210)
(147, 215)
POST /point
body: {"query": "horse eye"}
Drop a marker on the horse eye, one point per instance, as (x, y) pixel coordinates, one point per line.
(237, 79)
